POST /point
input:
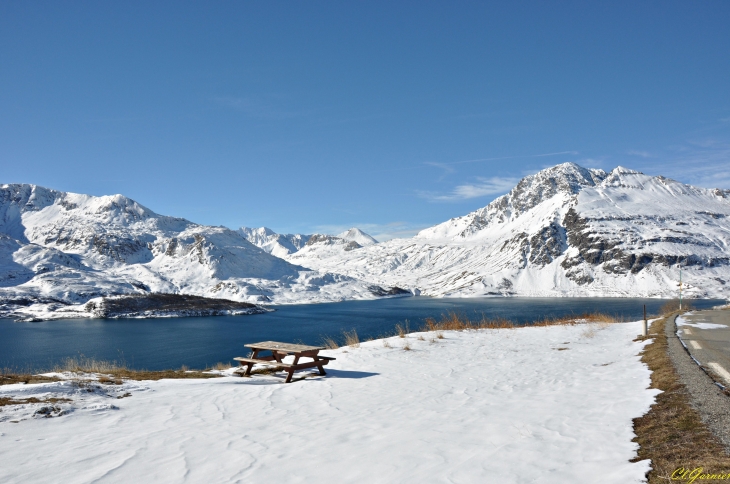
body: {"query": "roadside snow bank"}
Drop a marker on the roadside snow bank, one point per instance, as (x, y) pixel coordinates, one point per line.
(548, 404)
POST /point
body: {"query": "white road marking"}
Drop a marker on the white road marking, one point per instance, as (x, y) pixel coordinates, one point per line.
(720, 371)
(695, 345)
(686, 331)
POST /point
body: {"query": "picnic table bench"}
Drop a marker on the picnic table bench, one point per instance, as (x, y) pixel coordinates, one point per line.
(279, 351)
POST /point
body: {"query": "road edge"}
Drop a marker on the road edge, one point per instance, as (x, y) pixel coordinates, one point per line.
(705, 395)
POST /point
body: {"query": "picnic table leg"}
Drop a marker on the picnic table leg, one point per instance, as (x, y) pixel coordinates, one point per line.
(289, 377)
(249, 365)
(321, 367)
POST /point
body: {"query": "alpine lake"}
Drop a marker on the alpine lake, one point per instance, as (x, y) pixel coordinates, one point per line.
(200, 342)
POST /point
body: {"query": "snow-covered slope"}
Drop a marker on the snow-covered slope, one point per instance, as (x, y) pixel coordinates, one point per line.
(62, 248)
(565, 231)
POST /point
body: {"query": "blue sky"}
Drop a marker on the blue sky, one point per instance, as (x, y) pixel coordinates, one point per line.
(391, 116)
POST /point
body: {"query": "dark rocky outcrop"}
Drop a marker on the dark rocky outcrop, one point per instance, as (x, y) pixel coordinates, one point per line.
(156, 305)
(393, 291)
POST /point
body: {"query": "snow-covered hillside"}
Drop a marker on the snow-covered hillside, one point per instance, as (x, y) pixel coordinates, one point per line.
(565, 231)
(61, 248)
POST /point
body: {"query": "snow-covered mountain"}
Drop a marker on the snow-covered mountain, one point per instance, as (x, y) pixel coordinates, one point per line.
(61, 248)
(565, 231)
(279, 245)
(283, 245)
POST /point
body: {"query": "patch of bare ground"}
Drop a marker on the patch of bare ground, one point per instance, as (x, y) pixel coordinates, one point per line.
(21, 401)
(8, 377)
(112, 372)
(672, 434)
(457, 322)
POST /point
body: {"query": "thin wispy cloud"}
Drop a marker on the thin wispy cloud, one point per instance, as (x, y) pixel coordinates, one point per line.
(508, 158)
(702, 162)
(257, 108)
(642, 154)
(482, 188)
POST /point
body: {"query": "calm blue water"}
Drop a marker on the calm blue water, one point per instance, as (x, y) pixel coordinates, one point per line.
(156, 344)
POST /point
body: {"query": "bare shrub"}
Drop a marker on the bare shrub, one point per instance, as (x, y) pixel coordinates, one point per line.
(351, 339)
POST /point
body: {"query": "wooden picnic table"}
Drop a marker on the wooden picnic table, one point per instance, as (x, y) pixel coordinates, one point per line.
(279, 351)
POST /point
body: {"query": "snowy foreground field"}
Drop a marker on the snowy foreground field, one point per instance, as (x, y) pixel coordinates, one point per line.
(505, 405)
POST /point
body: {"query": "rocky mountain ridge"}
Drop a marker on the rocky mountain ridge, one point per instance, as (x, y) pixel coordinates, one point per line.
(565, 231)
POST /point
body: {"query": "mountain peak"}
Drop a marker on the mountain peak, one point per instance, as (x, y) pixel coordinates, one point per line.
(357, 235)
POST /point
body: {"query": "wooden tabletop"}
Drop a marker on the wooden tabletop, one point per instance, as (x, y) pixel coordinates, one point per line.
(283, 347)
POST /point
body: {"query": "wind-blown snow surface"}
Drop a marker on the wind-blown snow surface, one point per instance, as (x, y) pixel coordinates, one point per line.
(480, 406)
(565, 231)
(59, 248)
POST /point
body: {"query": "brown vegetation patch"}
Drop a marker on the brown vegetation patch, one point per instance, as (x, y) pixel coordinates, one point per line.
(672, 433)
(112, 372)
(456, 322)
(21, 401)
(9, 378)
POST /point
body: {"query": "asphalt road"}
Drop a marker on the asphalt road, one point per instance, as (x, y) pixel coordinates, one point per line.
(706, 334)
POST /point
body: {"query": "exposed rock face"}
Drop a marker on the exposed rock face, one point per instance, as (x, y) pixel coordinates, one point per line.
(547, 244)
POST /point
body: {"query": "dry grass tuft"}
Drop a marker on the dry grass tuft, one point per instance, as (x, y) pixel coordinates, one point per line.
(407, 345)
(673, 306)
(456, 322)
(221, 366)
(672, 433)
(82, 364)
(351, 339)
(421, 338)
(386, 343)
(330, 343)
